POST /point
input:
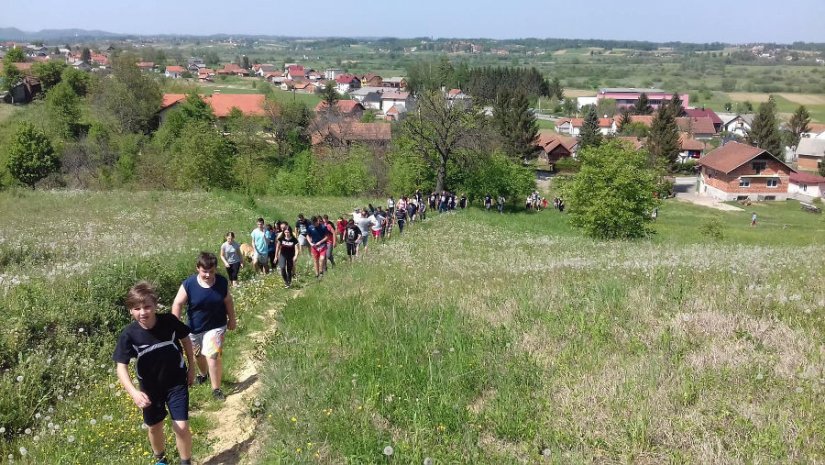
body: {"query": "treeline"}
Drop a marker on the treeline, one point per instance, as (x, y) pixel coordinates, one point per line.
(484, 84)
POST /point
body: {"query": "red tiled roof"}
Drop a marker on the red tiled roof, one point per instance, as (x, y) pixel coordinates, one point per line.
(633, 141)
(296, 70)
(816, 127)
(647, 120)
(393, 110)
(733, 155)
(175, 69)
(346, 79)
(806, 178)
(703, 113)
(703, 125)
(549, 140)
(249, 104)
(146, 64)
(395, 95)
(171, 99)
(689, 143)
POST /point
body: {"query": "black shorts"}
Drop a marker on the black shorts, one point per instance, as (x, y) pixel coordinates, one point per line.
(232, 270)
(175, 399)
(352, 249)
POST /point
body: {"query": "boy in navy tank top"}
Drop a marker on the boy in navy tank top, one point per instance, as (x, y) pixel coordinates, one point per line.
(210, 312)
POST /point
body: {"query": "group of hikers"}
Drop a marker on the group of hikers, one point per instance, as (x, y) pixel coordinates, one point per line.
(171, 356)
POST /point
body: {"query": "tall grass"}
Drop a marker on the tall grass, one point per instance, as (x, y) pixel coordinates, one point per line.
(486, 338)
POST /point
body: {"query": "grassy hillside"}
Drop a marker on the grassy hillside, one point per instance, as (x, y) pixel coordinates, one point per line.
(483, 338)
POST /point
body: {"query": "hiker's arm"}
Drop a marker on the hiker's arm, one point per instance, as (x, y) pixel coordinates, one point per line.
(179, 302)
(140, 398)
(190, 359)
(230, 312)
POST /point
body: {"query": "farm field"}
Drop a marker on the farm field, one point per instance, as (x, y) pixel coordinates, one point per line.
(473, 338)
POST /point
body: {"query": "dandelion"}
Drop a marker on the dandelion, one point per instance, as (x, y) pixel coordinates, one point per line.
(70, 438)
(759, 376)
(28, 431)
(20, 379)
(293, 419)
(92, 422)
(546, 452)
(37, 415)
(36, 438)
(11, 457)
(388, 451)
(23, 451)
(80, 330)
(2, 429)
(428, 461)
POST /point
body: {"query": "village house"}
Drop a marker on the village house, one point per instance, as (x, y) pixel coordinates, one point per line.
(706, 113)
(457, 97)
(689, 148)
(345, 83)
(738, 171)
(146, 66)
(305, 87)
(331, 73)
(222, 104)
(399, 100)
(371, 80)
(553, 146)
(810, 153)
(736, 124)
(806, 185)
(700, 128)
(395, 82)
(263, 69)
(231, 69)
(295, 72)
(573, 126)
(815, 131)
(348, 132)
(174, 72)
(626, 97)
(348, 108)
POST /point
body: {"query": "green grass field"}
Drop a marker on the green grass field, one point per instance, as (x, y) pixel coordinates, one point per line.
(472, 338)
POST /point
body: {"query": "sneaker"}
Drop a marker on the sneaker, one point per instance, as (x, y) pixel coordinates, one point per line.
(161, 461)
(200, 379)
(218, 395)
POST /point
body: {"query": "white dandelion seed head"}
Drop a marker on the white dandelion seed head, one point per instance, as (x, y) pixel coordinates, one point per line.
(388, 451)
(80, 330)
(428, 461)
(2, 429)
(70, 438)
(36, 438)
(23, 451)
(28, 431)
(20, 379)
(92, 422)
(37, 415)
(546, 452)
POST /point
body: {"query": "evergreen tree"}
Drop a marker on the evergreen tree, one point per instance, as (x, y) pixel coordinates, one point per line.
(31, 155)
(624, 121)
(764, 131)
(194, 108)
(642, 106)
(330, 96)
(675, 106)
(590, 135)
(516, 125)
(663, 138)
(86, 56)
(555, 89)
(799, 124)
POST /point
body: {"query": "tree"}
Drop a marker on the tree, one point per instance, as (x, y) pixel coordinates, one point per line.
(591, 135)
(31, 156)
(330, 96)
(516, 124)
(624, 120)
(497, 174)
(675, 105)
(202, 158)
(15, 55)
(437, 130)
(245, 62)
(64, 109)
(555, 89)
(11, 76)
(253, 159)
(194, 108)
(289, 123)
(49, 73)
(611, 197)
(130, 97)
(663, 138)
(642, 106)
(77, 79)
(799, 124)
(764, 131)
(86, 55)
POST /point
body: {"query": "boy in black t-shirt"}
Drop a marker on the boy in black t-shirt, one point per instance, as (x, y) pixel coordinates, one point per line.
(156, 342)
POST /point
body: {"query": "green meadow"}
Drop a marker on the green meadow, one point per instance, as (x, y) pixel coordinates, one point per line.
(473, 338)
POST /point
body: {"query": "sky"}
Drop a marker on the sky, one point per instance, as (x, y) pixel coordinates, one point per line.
(652, 20)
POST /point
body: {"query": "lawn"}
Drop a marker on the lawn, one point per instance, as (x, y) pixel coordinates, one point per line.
(6, 111)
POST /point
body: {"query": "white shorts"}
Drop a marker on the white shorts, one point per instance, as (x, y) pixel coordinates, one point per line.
(302, 240)
(208, 343)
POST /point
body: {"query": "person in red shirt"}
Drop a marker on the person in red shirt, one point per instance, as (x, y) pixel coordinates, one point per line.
(341, 226)
(331, 240)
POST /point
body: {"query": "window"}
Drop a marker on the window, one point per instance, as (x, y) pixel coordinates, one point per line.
(773, 182)
(744, 182)
(759, 166)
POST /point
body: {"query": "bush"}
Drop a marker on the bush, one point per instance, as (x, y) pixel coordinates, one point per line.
(499, 175)
(712, 229)
(612, 195)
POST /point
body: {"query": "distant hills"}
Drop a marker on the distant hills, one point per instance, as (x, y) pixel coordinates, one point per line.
(12, 33)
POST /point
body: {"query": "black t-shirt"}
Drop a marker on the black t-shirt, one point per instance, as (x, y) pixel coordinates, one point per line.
(160, 363)
(401, 215)
(288, 246)
(351, 234)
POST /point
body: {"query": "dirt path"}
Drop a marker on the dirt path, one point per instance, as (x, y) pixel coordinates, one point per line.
(233, 432)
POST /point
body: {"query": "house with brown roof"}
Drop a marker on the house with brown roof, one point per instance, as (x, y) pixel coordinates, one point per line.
(738, 171)
(295, 72)
(231, 69)
(553, 146)
(810, 153)
(690, 148)
(400, 100)
(706, 113)
(696, 127)
(371, 80)
(395, 82)
(348, 132)
(815, 131)
(347, 82)
(349, 108)
(222, 104)
(146, 66)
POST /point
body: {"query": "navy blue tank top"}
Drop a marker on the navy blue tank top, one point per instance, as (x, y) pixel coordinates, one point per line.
(206, 307)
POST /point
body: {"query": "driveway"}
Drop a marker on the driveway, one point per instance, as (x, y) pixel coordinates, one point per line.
(685, 190)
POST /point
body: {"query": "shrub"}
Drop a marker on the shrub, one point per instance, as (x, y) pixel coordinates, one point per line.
(712, 229)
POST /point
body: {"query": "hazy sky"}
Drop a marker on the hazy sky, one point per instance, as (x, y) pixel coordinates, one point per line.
(656, 20)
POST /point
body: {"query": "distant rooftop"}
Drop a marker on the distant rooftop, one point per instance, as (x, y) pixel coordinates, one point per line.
(629, 90)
